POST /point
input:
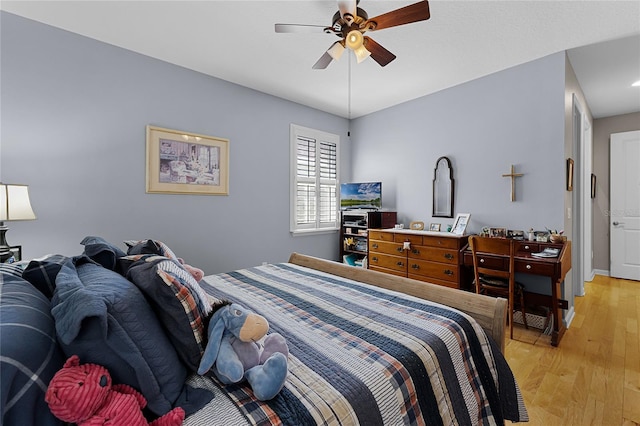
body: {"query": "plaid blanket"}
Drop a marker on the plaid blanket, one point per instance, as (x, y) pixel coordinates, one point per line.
(364, 355)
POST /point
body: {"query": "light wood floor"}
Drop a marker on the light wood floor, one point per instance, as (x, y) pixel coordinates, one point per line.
(593, 377)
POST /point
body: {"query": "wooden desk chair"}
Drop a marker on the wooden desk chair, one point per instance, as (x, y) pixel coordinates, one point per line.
(491, 278)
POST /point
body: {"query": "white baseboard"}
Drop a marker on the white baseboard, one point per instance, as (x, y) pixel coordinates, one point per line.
(604, 272)
(590, 276)
(571, 313)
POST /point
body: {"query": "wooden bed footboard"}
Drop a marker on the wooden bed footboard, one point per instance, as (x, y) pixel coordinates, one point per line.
(489, 312)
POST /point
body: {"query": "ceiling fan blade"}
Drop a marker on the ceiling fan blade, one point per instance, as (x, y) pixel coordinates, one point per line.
(378, 53)
(299, 28)
(323, 62)
(347, 6)
(405, 15)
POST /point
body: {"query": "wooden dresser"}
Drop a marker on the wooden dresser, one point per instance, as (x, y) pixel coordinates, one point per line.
(435, 257)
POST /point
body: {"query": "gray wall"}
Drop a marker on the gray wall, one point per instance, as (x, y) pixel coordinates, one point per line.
(602, 129)
(515, 116)
(74, 112)
(484, 126)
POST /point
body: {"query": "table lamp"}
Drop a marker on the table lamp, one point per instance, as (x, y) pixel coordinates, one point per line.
(14, 205)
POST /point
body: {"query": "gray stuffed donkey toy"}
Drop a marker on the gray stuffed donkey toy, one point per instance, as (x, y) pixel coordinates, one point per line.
(238, 349)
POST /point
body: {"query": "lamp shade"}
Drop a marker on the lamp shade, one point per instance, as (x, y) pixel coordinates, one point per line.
(15, 203)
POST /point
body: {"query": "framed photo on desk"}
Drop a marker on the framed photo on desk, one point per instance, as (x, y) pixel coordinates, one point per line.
(16, 252)
(460, 224)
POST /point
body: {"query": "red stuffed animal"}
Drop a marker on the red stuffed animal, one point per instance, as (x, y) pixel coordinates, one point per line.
(83, 394)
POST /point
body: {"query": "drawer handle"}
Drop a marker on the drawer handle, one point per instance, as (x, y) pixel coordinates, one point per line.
(415, 251)
(448, 272)
(399, 249)
(526, 247)
(448, 256)
(375, 259)
(528, 266)
(481, 260)
(414, 266)
(400, 264)
(374, 245)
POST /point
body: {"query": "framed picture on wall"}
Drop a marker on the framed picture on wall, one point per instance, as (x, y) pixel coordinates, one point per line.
(186, 163)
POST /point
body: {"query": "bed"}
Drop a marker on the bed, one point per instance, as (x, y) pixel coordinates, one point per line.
(363, 353)
(365, 347)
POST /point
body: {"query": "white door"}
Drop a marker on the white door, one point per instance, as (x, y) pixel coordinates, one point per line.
(624, 219)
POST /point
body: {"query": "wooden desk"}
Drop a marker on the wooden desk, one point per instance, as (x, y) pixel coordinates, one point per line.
(555, 268)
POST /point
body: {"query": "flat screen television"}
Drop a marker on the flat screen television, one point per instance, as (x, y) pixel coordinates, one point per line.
(361, 195)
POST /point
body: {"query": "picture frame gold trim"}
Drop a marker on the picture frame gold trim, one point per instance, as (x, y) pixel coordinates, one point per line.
(180, 162)
(416, 225)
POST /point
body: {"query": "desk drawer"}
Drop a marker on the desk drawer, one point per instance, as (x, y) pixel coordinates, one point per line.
(395, 263)
(535, 267)
(434, 254)
(492, 262)
(380, 235)
(441, 271)
(376, 246)
(527, 247)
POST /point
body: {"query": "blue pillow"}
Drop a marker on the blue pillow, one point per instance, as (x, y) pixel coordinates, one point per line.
(101, 251)
(42, 273)
(11, 269)
(104, 319)
(29, 353)
(163, 282)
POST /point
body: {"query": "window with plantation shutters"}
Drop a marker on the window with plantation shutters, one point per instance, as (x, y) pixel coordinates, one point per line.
(314, 180)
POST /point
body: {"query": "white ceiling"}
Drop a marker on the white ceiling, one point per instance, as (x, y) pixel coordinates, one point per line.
(463, 40)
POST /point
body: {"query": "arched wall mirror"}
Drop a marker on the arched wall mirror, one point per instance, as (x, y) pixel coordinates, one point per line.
(443, 185)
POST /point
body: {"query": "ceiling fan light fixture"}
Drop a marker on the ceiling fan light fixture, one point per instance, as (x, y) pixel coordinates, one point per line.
(354, 40)
(336, 51)
(361, 53)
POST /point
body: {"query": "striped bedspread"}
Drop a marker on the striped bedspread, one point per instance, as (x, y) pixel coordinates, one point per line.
(364, 355)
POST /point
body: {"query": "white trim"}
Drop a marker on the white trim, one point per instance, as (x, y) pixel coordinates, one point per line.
(296, 132)
(586, 213)
(577, 274)
(303, 232)
(603, 272)
(571, 313)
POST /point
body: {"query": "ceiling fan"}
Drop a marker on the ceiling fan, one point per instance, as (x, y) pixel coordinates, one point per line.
(351, 22)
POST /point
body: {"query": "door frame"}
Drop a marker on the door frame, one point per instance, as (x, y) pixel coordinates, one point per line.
(587, 201)
(581, 229)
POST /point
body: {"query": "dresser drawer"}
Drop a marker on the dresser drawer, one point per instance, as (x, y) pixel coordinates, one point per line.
(430, 280)
(395, 263)
(413, 239)
(376, 246)
(441, 271)
(380, 235)
(402, 273)
(537, 268)
(443, 242)
(434, 254)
